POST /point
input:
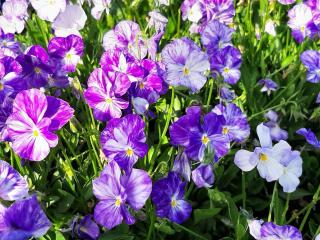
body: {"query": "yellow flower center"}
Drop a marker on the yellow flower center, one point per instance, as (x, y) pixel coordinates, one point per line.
(186, 71)
(68, 56)
(263, 157)
(118, 202)
(173, 203)
(129, 152)
(225, 130)
(205, 139)
(37, 70)
(4, 43)
(1, 87)
(141, 85)
(303, 28)
(35, 133)
(226, 70)
(108, 100)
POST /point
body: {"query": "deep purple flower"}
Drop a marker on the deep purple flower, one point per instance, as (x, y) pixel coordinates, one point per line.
(311, 138)
(12, 185)
(68, 49)
(311, 60)
(270, 230)
(8, 46)
(4, 114)
(126, 36)
(36, 67)
(215, 36)
(236, 125)
(276, 132)
(168, 198)
(203, 176)
(101, 95)
(86, 229)
(34, 119)
(226, 63)
(23, 220)
(185, 64)
(118, 194)
(318, 98)
(268, 85)
(200, 137)
(123, 140)
(123, 68)
(300, 22)
(182, 165)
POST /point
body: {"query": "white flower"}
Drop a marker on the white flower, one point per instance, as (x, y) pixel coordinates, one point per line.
(270, 28)
(99, 7)
(48, 9)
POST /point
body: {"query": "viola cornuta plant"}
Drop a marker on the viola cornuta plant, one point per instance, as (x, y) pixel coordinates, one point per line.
(160, 119)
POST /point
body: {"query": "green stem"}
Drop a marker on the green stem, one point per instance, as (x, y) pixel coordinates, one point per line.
(151, 227)
(309, 208)
(210, 92)
(244, 196)
(286, 207)
(189, 231)
(272, 201)
(164, 132)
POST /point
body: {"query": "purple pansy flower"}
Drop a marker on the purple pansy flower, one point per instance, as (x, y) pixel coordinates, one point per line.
(185, 64)
(300, 22)
(311, 60)
(276, 132)
(12, 185)
(157, 20)
(23, 220)
(121, 67)
(271, 231)
(8, 46)
(182, 165)
(203, 176)
(14, 13)
(86, 228)
(318, 98)
(221, 10)
(126, 36)
(191, 10)
(102, 96)
(123, 140)
(68, 49)
(236, 125)
(168, 198)
(36, 67)
(226, 63)
(4, 114)
(120, 194)
(227, 94)
(200, 136)
(310, 137)
(34, 119)
(215, 36)
(268, 85)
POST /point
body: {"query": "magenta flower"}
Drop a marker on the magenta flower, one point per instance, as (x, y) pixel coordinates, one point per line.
(103, 96)
(12, 185)
(118, 194)
(68, 49)
(123, 140)
(126, 36)
(34, 119)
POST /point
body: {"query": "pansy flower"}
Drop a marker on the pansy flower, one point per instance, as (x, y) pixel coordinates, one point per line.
(191, 10)
(124, 141)
(286, 2)
(23, 220)
(226, 63)
(236, 125)
(168, 198)
(203, 176)
(221, 10)
(185, 64)
(34, 119)
(86, 228)
(99, 7)
(157, 20)
(268, 85)
(126, 36)
(8, 46)
(182, 165)
(276, 132)
(310, 137)
(5, 112)
(12, 185)
(68, 49)
(119, 195)
(48, 9)
(102, 96)
(311, 60)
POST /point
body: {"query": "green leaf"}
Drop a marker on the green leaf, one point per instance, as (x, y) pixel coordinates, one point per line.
(288, 60)
(202, 214)
(163, 227)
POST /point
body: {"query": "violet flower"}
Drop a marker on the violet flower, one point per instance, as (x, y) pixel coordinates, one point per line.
(157, 20)
(168, 198)
(123, 140)
(268, 85)
(191, 10)
(185, 64)
(119, 195)
(32, 124)
(8, 46)
(311, 60)
(203, 176)
(23, 220)
(276, 132)
(48, 9)
(226, 94)
(102, 96)
(182, 165)
(12, 185)
(86, 228)
(126, 36)
(100, 6)
(286, 2)
(68, 49)
(311, 138)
